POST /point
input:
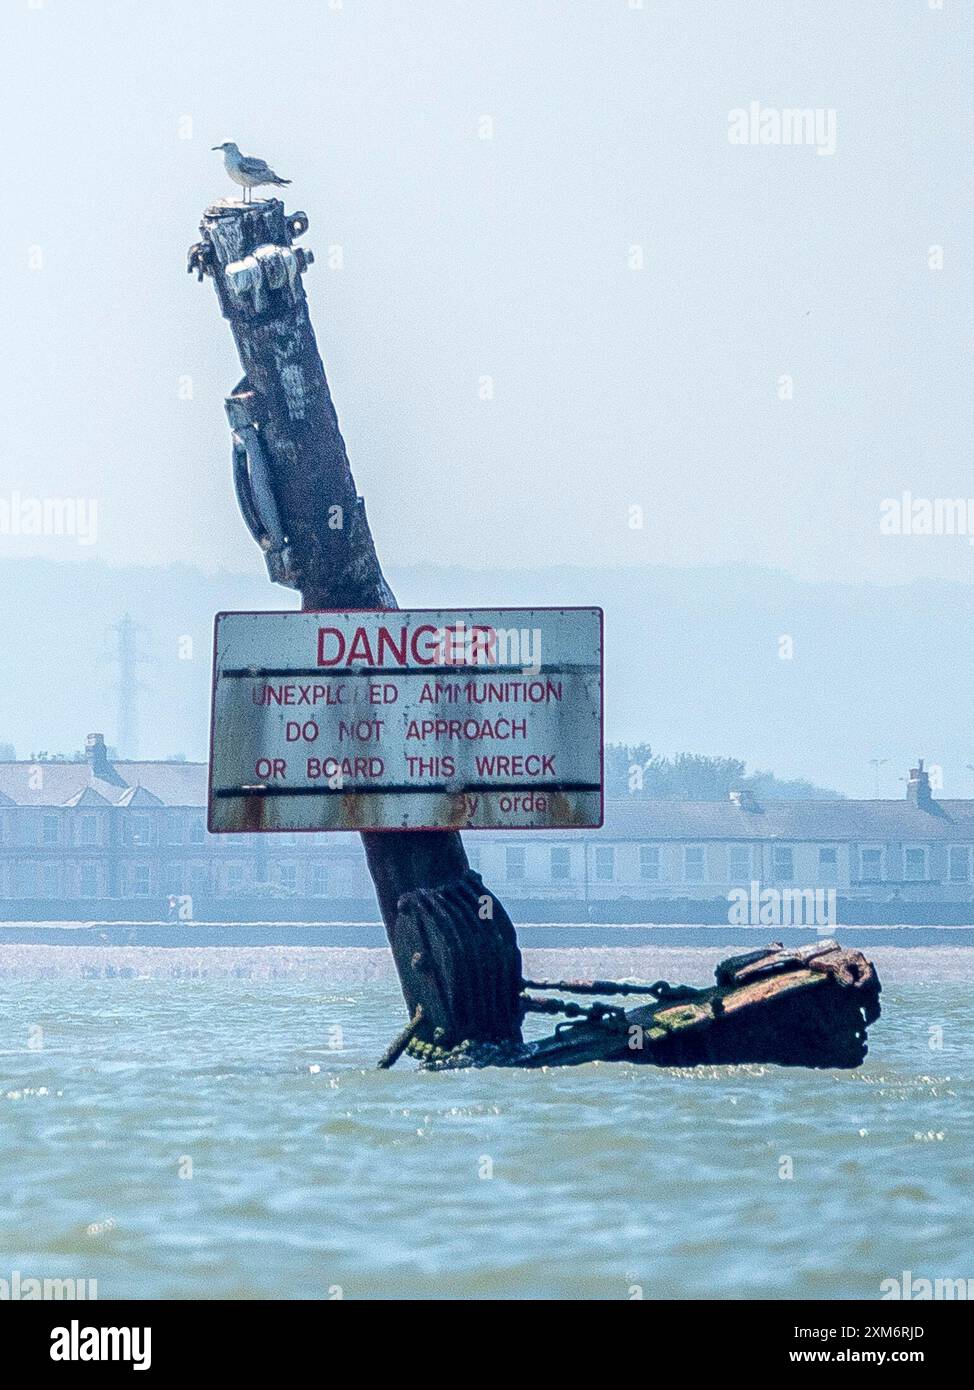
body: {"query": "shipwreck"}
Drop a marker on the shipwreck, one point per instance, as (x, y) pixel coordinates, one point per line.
(454, 946)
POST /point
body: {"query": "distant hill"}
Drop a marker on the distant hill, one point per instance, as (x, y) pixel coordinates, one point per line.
(808, 680)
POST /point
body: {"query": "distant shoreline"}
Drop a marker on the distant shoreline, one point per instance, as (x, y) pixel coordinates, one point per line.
(363, 965)
(537, 935)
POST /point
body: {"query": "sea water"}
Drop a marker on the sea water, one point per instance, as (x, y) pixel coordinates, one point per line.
(209, 1123)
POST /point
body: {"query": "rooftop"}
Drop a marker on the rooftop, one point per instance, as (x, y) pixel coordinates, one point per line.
(98, 781)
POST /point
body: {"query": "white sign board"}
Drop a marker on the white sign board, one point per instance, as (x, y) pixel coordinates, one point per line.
(406, 720)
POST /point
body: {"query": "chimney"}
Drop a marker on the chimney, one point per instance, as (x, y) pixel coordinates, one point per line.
(918, 787)
(744, 798)
(96, 756)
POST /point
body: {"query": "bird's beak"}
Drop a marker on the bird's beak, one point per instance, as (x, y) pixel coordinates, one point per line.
(218, 147)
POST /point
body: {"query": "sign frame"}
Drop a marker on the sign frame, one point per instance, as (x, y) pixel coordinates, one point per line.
(213, 795)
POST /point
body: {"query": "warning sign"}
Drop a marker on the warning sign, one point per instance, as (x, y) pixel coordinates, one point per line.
(405, 720)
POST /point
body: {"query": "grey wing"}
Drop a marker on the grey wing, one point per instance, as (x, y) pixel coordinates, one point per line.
(255, 168)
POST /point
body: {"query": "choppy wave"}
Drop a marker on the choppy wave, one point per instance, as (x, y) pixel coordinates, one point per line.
(312, 1174)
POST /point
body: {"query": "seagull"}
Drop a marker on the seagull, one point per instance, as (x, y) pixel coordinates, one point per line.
(248, 172)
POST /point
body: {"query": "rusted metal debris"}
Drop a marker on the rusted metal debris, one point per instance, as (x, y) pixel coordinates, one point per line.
(399, 1044)
(807, 1007)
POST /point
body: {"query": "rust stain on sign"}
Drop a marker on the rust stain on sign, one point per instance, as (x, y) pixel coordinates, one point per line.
(407, 720)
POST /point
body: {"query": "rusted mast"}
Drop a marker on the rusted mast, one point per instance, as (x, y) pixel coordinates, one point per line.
(452, 941)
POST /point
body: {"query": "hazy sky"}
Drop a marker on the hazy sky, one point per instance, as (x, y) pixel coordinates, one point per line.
(509, 258)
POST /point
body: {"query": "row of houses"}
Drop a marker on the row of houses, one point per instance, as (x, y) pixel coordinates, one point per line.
(103, 838)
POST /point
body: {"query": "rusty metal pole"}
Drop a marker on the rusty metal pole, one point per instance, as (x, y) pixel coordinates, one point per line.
(453, 943)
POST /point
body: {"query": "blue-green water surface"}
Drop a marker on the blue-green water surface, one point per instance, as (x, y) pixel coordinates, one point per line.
(212, 1125)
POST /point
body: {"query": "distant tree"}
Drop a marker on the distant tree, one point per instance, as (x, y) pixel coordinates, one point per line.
(634, 770)
(628, 768)
(772, 788)
(7, 753)
(695, 777)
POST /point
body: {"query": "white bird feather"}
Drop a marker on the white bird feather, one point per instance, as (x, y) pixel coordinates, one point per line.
(246, 170)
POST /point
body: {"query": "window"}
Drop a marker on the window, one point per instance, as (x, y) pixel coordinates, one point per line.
(197, 831)
(605, 862)
(561, 864)
(140, 830)
(514, 862)
(287, 876)
(199, 881)
(49, 828)
(828, 865)
(318, 881)
(235, 877)
(914, 862)
(88, 830)
(783, 863)
(649, 863)
(739, 864)
(50, 881)
(174, 828)
(959, 863)
(871, 862)
(694, 864)
(88, 883)
(140, 878)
